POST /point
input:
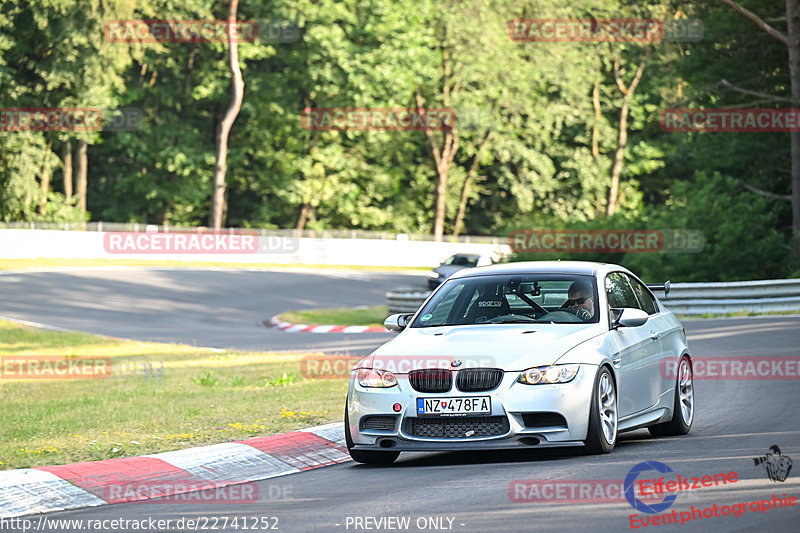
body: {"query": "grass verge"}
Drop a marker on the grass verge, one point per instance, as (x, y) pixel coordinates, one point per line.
(158, 397)
(343, 316)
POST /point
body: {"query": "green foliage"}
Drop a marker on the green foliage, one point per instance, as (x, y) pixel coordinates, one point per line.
(531, 101)
(284, 379)
(209, 380)
(740, 238)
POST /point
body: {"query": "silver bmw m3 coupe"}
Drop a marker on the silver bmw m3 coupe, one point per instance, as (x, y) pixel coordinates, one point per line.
(523, 355)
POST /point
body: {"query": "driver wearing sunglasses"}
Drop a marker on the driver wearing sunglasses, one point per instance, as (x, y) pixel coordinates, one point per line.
(580, 297)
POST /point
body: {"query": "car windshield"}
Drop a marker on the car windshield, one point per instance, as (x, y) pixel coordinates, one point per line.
(504, 299)
(462, 260)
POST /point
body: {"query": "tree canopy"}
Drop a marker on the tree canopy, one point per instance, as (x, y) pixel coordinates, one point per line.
(547, 134)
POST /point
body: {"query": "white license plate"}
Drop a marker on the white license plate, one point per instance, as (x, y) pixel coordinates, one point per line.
(481, 405)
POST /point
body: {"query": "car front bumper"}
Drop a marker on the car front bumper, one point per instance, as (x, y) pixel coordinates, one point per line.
(526, 415)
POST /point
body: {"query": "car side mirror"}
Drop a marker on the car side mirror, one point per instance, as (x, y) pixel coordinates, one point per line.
(628, 317)
(397, 323)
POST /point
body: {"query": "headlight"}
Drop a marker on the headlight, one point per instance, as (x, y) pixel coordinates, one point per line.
(368, 377)
(545, 375)
(433, 275)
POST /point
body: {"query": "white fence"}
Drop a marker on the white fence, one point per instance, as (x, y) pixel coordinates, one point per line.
(275, 247)
(684, 298)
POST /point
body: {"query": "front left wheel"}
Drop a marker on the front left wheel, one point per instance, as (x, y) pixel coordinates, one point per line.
(602, 435)
(369, 457)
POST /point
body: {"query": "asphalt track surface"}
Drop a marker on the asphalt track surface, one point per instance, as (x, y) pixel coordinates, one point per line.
(215, 308)
(735, 422)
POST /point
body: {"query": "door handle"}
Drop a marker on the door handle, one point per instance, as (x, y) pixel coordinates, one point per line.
(617, 360)
(654, 335)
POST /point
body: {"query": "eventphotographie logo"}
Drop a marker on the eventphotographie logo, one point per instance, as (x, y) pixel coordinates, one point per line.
(636, 502)
(777, 466)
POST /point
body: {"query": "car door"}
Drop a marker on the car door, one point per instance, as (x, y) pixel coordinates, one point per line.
(661, 324)
(637, 360)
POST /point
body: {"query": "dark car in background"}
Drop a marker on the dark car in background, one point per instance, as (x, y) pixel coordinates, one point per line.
(453, 264)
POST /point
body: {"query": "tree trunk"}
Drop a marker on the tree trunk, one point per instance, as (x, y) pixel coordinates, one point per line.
(305, 211)
(622, 138)
(82, 169)
(598, 115)
(473, 170)
(793, 34)
(442, 158)
(616, 170)
(462, 205)
(66, 153)
(440, 198)
(45, 184)
(221, 167)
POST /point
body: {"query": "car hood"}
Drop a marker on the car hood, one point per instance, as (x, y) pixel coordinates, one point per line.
(510, 347)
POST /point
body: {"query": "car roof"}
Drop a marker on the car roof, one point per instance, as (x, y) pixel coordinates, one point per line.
(586, 268)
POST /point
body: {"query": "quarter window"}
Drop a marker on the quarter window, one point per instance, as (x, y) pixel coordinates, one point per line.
(619, 291)
(646, 299)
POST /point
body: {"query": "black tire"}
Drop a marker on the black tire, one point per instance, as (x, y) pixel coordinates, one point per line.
(678, 425)
(596, 442)
(369, 457)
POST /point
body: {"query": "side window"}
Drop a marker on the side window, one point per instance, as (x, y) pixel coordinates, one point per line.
(648, 304)
(619, 291)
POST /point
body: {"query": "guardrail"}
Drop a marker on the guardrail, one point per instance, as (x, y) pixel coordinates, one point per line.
(727, 297)
(405, 302)
(761, 296)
